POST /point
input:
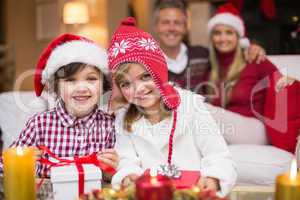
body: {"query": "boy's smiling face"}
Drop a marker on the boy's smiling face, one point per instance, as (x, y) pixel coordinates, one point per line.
(81, 92)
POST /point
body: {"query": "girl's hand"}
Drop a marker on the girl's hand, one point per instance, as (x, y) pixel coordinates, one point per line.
(283, 82)
(129, 179)
(109, 157)
(209, 184)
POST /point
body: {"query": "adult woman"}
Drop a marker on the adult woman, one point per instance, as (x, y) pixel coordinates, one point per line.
(236, 85)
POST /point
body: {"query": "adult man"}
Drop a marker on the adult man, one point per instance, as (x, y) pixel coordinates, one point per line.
(187, 64)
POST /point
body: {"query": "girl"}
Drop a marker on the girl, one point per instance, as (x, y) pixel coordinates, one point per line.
(235, 85)
(162, 125)
(72, 67)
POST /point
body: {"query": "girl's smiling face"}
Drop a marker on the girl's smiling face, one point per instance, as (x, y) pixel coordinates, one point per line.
(81, 91)
(138, 87)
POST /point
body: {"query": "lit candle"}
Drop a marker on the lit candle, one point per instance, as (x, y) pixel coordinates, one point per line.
(154, 187)
(288, 184)
(19, 173)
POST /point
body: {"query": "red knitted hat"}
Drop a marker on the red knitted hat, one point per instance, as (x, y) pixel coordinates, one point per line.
(130, 44)
(66, 49)
(227, 14)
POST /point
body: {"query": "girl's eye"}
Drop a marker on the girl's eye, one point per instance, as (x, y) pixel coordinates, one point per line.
(124, 84)
(146, 77)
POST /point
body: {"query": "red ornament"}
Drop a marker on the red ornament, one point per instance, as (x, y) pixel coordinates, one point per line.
(154, 188)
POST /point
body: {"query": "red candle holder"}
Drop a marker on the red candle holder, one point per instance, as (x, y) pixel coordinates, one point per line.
(154, 188)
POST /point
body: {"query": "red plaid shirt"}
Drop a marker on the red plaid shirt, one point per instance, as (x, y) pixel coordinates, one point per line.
(66, 135)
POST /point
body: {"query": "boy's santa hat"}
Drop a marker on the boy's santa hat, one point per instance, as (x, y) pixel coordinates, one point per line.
(66, 49)
(130, 44)
(227, 14)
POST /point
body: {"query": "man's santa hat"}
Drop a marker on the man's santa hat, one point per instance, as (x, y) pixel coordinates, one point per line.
(66, 49)
(227, 14)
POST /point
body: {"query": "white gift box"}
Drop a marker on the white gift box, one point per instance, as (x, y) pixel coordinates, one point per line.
(65, 180)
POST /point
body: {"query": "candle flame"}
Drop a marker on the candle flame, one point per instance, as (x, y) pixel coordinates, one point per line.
(196, 189)
(20, 151)
(293, 170)
(112, 192)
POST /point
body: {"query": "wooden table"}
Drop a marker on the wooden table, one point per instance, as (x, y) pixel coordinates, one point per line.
(238, 193)
(44, 193)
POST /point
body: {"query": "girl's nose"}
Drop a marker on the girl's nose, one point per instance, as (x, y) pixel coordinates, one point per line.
(140, 88)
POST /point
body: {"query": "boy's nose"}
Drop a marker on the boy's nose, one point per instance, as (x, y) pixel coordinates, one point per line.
(82, 87)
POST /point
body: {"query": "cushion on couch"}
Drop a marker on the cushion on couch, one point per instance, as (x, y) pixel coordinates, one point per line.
(15, 108)
(259, 164)
(282, 114)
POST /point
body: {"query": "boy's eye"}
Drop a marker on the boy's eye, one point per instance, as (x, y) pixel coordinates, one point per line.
(92, 78)
(146, 77)
(70, 79)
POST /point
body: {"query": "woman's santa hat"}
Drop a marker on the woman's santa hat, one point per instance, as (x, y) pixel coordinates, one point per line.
(130, 44)
(66, 49)
(227, 14)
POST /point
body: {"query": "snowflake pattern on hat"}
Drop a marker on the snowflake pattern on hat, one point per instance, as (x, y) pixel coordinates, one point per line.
(148, 44)
(120, 47)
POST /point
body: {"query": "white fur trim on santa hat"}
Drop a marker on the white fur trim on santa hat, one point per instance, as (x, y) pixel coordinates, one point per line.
(75, 51)
(227, 19)
(244, 42)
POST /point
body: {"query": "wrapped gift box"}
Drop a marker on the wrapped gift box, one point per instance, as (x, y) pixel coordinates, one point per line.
(65, 180)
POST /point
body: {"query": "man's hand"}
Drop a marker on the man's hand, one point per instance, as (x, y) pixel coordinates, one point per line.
(254, 53)
(109, 157)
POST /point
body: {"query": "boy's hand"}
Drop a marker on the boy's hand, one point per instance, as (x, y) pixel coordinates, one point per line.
(254, 53)
(129, 179)
(283, 82)
(209, 184)
(38, 153)
(109, 157)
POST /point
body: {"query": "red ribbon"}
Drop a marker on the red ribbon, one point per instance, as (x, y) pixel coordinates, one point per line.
(78, 161)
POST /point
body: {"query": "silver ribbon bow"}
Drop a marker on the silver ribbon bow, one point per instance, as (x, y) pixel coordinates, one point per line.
(169, 170)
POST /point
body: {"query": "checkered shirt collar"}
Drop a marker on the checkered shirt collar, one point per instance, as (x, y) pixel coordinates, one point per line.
(69, 120)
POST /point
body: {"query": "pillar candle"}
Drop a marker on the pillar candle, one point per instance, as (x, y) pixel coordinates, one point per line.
(19, 173)
(288, 184)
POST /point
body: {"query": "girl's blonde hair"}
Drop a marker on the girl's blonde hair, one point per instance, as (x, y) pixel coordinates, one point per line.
(233, 74)
(134, 113)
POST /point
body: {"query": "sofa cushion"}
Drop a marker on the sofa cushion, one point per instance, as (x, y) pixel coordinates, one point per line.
(15, 108)
(259, 164)
(282, 114)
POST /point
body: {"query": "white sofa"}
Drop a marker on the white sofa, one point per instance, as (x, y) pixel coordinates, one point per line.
(256, 165)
